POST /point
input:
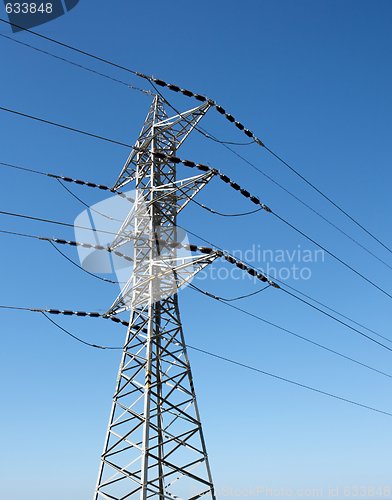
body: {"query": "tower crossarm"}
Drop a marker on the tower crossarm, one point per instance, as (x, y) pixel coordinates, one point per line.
(176, 128)
(170, 271)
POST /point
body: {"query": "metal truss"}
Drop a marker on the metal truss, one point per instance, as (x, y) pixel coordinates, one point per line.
(154, 446)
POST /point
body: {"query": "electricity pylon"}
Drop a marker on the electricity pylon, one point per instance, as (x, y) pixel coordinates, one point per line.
(154, 446)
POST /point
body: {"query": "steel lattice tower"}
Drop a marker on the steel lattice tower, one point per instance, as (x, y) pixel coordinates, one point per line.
(154, 446)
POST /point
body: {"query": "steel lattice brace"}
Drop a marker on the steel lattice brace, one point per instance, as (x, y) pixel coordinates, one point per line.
(154, 446)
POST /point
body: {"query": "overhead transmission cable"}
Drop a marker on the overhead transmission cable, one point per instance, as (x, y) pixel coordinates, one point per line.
(246, 268)
(220, 109)
(82, 268)
(256, 140)
(51, 221)
(78, 65)
(293, 295)
(169, 86)
(209, 209)
(80, 182)
(61, 178)
(246, 296)
(84, 183)
(66, 312)
(71, 129)
(61, 241)
(284, 379)
(213, 138)
(286, 285)
(203, 351)
(287, 331)
(91, 209)
(237, 363)
(222, 214)
(255, 200)
(204, 132)
(236, 187)
(78, 339)
(316, 212)
(226, 179)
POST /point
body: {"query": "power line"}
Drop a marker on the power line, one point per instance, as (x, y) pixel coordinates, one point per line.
(241, 127)
(80, 267)
(247, 296)
(116, 80)
(66, 127)
(237, 363)
(24, 235)
(259, 274)
(256, 273)
(75, 49)
(151, 79)
(220, 109)
(66, 312)
(50, 221)
(66, 242)
(78, 339)
(78, 65)
(331, 254)
(224, 143)
(17, 308)
(289, 332)
(255, 200)
(221, 214)
(334, 318)
(289, 381)
(317, 213)
(193, 248)
(232, 184)
(222, 358)
(91, 209)
(80, 182)
(336, 312)
(24, 169)
(217, 212)
(329, 199)
(298, 291)
(188, 161)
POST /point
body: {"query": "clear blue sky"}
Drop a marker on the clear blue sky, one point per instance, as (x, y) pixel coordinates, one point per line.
(313, 80)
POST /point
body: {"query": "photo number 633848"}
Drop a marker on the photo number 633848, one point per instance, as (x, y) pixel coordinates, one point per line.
(29, 8)
(28, 14)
